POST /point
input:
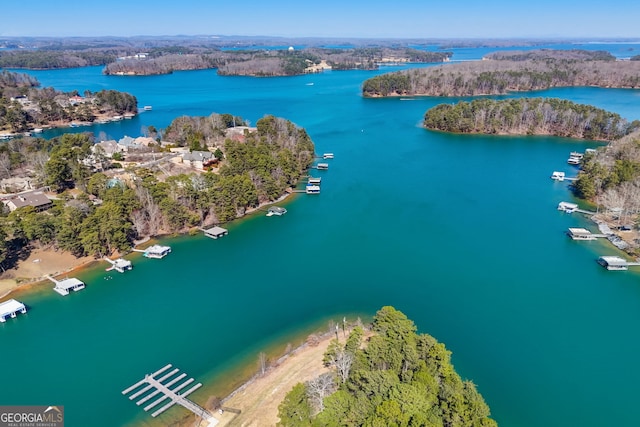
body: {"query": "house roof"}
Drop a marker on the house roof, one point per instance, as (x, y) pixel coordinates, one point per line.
(34, 199)
(196, 156)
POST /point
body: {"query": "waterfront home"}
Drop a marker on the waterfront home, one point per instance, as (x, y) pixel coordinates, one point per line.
(199, 159)
(10, 308)
(36, 199)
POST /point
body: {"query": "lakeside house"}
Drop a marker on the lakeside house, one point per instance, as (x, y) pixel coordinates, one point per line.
(196, 159)
(36, 199)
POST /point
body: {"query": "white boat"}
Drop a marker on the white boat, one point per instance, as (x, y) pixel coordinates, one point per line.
(129, 116)
(147, 108)
(37, 130)
(574, 161)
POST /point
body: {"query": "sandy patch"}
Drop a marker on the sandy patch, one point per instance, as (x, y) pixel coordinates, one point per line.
(40, 263)
(258, 401)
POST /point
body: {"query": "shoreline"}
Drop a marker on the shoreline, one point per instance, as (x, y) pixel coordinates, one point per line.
(32, 272)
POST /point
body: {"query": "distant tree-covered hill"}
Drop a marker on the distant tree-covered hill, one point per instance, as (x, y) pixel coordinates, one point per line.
(397, 378)
(528, 116)
(494, 77)
(553, 54)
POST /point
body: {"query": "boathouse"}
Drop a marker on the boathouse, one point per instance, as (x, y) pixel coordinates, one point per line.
(314, 181)
(276, 210)
(120, 265)
(613, 263)
(327, 156)
(322, 166)
(558, 176)
(580, 234)
(64, 286)
(312, 189)
(567, 207)
(10, 308)
(215, 232)
(157, 251)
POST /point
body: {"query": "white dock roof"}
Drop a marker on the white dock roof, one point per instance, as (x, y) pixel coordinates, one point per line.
(614, 260)
(10, 306)
(69, 283)
(579, 231)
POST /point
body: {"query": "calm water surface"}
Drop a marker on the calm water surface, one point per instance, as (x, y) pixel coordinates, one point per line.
(459, 232)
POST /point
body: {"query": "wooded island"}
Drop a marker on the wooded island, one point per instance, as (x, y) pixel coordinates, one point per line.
(508, 73)
(528, 116)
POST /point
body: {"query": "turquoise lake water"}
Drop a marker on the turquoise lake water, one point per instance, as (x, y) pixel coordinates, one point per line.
(459, 232)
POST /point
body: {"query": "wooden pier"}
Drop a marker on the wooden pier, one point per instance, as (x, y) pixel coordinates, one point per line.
(156, 386)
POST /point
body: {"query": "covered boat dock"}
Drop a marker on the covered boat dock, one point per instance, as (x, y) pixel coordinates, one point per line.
(11, 308)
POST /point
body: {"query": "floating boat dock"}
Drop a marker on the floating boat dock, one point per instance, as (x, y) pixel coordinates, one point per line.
(153, 387)
(572, 207)
(327, 156)
(616, 263)
(276, 210)
(64, 286)
(155, 251)
(322, 166)
(561, 176)
(11, 308)
(583, 234)
(314, 181)
(215, 232)
(312, 189)
(120, 265)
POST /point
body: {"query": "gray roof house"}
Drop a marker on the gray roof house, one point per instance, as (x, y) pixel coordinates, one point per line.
(37, 199)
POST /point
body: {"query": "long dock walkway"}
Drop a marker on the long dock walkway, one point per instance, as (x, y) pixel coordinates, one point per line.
(156, 386)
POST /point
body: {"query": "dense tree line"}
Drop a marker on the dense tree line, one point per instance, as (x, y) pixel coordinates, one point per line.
(53, 59)
(256, 170)
(553, 54)
(265, 63)
(528, 116)
(492, 77)
(398, 378)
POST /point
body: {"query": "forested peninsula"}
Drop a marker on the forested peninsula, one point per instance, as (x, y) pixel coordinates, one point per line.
(101, 207)
(397, 378)
(24, 106)
(529, 116)
(497, 76)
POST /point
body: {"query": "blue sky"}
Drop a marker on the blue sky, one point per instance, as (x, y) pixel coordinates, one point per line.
(326, 18)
